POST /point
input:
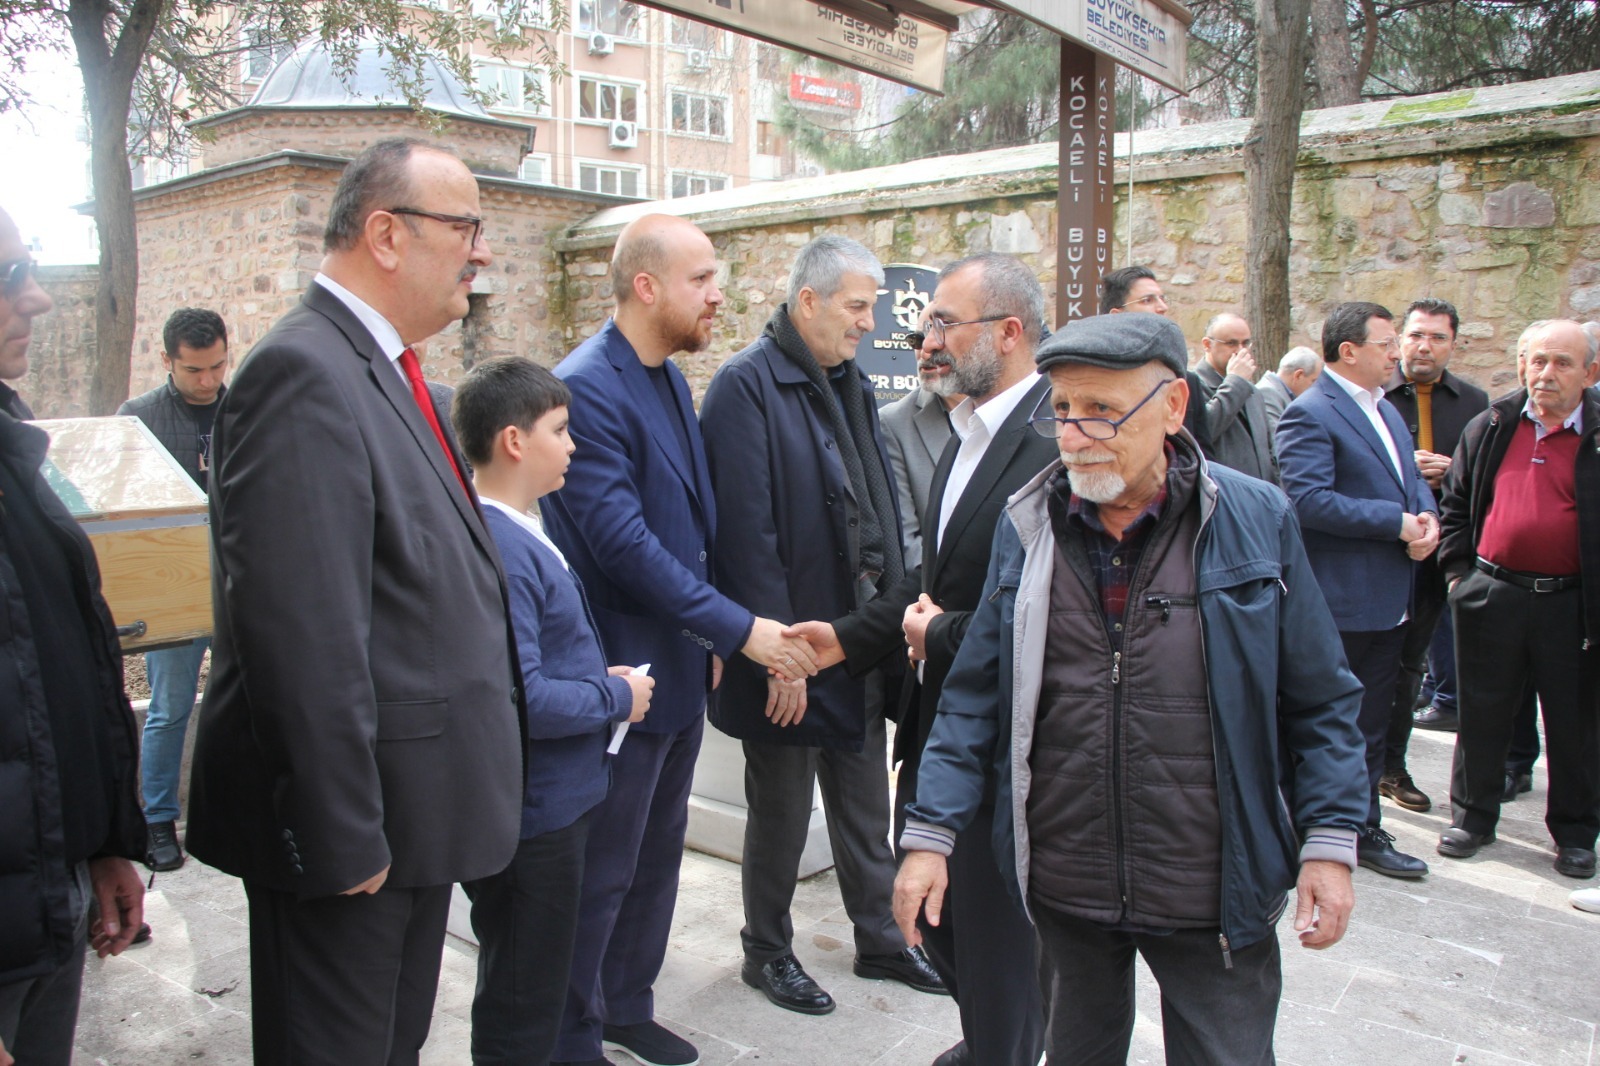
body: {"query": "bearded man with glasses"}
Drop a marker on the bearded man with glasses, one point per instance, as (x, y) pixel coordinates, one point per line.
(1148, 651)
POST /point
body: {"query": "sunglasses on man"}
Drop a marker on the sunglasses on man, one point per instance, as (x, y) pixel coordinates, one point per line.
(14, 276)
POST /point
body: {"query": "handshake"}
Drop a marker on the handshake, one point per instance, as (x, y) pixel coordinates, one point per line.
(793, 653)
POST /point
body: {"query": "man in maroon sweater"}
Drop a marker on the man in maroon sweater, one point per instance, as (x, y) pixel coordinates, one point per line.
(1521, 553)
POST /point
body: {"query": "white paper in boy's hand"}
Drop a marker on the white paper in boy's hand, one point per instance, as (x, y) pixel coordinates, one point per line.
(620, 730)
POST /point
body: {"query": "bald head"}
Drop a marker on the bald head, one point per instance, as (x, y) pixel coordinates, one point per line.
(21, 300)
(644, 247)
(1226, 336)
(664, 276)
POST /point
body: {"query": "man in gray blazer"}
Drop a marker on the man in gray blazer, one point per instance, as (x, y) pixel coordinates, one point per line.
(360, 745)
(915, 428)
(1235, 417)
(1296, 371)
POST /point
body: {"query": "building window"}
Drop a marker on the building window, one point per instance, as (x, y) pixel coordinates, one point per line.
(535, 167)
(688, 183)
(615, 17)
(687, 33)
(519, 89)
(608, 101)
(505, 12)
(706, 116)
(261, 53)
(613, 180)
(769, 141)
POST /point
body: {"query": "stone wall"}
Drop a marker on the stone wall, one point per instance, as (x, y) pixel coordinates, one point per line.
(1487, 198)
(62, 350)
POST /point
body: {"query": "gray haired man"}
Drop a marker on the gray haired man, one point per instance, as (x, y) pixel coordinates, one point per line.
(808, 528)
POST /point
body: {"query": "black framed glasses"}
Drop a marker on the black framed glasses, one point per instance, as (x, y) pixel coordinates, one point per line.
(937, 326)
(449, 220)
(14, 276)
(1094, 428)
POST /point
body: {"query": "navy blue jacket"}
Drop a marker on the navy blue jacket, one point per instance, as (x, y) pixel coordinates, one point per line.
(636, 520)
(1277, 682)
(1350, 500)
(788, 545)
(572, 704)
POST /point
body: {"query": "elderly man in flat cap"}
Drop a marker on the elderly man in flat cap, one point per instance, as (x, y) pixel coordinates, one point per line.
(1150, 663)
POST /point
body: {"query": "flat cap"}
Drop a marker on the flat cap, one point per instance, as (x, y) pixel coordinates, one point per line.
(1124, 341)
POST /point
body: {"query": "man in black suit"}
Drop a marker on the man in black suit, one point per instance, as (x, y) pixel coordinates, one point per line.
(359, 747)
(1436, 406)
(985, 320)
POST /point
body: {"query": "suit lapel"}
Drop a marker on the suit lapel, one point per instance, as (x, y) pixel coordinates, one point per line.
(646, 403)
(930, 527)
(382, 372)
(933, 425)
(1351, 412)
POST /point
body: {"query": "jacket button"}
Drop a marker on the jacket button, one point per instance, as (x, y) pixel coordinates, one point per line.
(828, 499)
(288, 834)
(297, 868)
(852, 523)
(702, 557)
(827, 444)
(686, 633)
(515, 693)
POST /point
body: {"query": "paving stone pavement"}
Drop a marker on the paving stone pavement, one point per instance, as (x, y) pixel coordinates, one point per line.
(1484, 963)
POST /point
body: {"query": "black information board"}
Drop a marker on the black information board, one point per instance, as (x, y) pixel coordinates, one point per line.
(883, 355)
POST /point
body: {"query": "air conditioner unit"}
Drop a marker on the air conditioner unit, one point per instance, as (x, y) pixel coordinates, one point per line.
(601, 44)
(697, 59)
(624, 135)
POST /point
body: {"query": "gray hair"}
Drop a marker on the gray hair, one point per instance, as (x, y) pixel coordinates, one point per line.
(1300, 359)
(822, 265)
(1009, 287)
(377, 179)
(1527, 334)
(1592, 331)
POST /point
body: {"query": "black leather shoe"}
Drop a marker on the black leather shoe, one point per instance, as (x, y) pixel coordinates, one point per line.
(650, 1043)
(1434, 718)
(164, 853)
(956, 1056)
(1375, 850)
(1575, 862)
(909, 967)
(1399, 787)
(1516, 785)
(786, 984)
(1458, 843)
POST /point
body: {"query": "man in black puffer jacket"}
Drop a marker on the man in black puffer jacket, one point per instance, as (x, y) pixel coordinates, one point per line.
(68, 756)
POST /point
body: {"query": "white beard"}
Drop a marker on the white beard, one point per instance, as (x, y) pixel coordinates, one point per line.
(1096, 486)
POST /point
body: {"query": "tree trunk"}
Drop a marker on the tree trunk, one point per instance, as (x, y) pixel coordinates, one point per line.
(1338, 81)
(1270, 152)
(109, 68)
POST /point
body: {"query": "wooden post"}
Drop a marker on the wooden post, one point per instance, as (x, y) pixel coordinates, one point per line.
(1084, 197)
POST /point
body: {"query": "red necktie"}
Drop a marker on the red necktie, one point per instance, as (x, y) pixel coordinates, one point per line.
(420, 393)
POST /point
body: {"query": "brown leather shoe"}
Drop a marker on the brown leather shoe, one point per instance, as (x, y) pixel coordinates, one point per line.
(1399, 787)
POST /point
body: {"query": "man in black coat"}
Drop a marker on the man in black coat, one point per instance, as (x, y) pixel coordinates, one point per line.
(1436, 405)
(985, 321)
(808, 527)
(68, 757)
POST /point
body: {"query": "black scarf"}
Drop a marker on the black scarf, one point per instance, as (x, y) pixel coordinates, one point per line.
(852, 427)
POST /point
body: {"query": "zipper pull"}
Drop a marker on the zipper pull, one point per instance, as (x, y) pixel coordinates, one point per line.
(1161, 602)
(1282, 586)
(1227, 955)
(1116, 667)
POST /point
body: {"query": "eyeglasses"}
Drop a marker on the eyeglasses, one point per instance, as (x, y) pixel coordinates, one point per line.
(1389, 345)
(1094, 428)
(1435, 338)
(1230, 345)
(937, 326)
(449, 220)
(1146, 302)
(14, 276)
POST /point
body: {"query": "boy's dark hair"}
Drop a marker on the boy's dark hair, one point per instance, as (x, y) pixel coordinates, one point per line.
(1115, 285)
(1348, 322)
(1432, 305)
(194, 327)
(508, 391)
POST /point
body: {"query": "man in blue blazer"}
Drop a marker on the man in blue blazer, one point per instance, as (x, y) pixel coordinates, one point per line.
(1348, 465)
(637, 522)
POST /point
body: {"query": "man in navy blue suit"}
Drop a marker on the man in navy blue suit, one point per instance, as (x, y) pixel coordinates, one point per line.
(1347, 462)
(637, 522)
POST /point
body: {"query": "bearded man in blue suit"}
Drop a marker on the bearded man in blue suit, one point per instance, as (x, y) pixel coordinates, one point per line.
(637, 522)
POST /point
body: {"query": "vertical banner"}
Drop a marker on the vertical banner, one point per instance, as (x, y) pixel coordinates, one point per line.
(883, 354)
(1084, 196)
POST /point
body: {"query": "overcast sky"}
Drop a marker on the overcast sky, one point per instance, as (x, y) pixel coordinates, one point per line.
(47, 164)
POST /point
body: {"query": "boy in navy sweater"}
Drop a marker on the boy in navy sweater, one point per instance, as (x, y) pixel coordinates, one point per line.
(510, 416)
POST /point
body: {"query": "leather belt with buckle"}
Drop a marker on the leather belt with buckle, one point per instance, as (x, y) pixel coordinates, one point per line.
(1528, 581)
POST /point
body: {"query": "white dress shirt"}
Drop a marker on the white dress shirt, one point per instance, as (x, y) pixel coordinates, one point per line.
(1367, 400)
(976, 425)
(388, 338)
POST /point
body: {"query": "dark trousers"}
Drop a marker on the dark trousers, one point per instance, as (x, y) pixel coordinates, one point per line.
(630, 886)
(1210, 1015)
(1427, 607)
(344, 980)
(779, 781)
(1524, 750)
(985, 949)
(1507, 637)
(526, 919)
(1439, 684)
(39, 1016)
(1374, 657)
